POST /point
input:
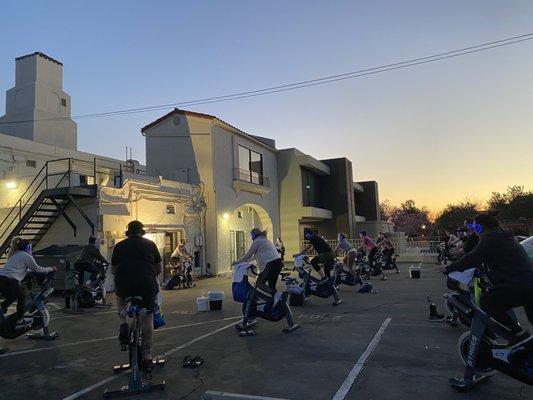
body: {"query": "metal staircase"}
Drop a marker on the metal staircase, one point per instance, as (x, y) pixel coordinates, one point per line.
(56, 186)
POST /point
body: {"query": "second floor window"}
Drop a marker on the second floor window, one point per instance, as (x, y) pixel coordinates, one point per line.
(250, 165)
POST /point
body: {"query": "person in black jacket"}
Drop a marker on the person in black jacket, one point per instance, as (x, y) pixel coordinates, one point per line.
(507, 266)
(87, 260)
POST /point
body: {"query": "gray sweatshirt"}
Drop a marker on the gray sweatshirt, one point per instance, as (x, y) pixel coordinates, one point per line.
(18, 264)
(263, 250)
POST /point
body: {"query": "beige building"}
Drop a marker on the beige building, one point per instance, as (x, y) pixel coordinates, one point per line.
(237, 173)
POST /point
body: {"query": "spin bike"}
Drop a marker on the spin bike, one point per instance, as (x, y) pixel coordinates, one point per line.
(344, 276)
(481, 351)
(137, 383)
(88, 294)
(35, 310)
(315, 286)
(263, 302)
(181, 276)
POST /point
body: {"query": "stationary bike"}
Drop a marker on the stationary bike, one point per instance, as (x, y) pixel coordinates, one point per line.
(344, 276)
(387, 262)
(181, 276)
(88, 294)
(313, 285)
(137, 381)
(35, 310)
(263, 302)
(481, 351)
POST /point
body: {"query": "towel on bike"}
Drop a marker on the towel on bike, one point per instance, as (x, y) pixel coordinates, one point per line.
(239, 288)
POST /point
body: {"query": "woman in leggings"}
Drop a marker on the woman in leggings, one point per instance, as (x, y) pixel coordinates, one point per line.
(372, 249)
(351, 254)
(19, 262)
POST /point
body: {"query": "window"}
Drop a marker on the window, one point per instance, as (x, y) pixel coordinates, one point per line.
(239, 214)
(250, 165)
(310, 189)
(31, 163)
(171, 209)
(63, 102)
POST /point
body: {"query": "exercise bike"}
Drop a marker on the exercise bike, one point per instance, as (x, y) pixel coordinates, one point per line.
(35, 310)
(482, 352)
(88, 294)
(387, 263)
(181, 276)
(344, 276)
(314, 286)
(137, 383)
(263, 302)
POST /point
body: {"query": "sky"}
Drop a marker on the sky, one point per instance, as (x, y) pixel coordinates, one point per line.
(436, 133)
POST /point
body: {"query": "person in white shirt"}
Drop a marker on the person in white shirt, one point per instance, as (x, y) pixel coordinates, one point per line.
(268, 259)
(19, 262)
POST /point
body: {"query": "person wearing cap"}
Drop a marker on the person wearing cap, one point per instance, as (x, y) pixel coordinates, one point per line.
(136, 262)
(86, 261)
(268, 259)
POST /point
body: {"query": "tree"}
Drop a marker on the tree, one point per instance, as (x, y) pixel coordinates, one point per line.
(515, 204)
(385, 210)
(409, 218)
(454, 215)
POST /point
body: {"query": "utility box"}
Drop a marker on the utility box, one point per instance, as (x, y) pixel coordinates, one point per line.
(62, 257)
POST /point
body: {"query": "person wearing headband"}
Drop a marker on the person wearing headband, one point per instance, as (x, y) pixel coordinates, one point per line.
(19, 262)
(136, 263)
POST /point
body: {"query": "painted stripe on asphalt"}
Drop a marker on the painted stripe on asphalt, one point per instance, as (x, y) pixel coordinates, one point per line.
(359, 365)
(166, 354)
(15, 353)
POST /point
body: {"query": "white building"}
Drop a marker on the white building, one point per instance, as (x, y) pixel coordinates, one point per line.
(53, 194)
(237, 171)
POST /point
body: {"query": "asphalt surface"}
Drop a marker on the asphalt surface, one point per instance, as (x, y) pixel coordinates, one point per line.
(413, 358)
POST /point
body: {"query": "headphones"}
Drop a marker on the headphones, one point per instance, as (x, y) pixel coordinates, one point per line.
(253, 234)
(308, 234)
(135, 224)
(478, 228)
(341, 236)
(28, 248)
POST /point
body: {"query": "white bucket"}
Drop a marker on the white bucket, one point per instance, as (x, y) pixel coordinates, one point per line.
(202, 303)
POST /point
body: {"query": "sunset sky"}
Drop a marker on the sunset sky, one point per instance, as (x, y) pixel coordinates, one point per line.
(436, 133)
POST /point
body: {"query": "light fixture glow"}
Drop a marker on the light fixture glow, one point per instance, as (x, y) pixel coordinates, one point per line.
(225, 216)
(11, 185)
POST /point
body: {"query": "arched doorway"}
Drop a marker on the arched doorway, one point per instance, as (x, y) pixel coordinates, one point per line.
(238, 226)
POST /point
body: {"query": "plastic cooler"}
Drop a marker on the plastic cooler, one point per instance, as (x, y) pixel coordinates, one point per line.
(215, 300)
(414, 272)
(202, 303)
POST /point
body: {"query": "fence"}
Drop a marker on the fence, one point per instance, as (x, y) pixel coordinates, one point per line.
(402, 244)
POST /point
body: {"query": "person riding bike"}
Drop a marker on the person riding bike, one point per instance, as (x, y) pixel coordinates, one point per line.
(387, 247)
(470, 239)
(372, 249)
(19, 262)
(507, 266)
(268, 259)
(86, 261)
(324, 252)
(350, 252)
(136, 262)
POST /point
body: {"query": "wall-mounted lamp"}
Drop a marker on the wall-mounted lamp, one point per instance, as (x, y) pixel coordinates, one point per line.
(225, 215)
(11, 185)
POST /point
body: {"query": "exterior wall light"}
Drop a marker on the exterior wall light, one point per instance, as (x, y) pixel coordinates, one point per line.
(11, 185)
(225, 215)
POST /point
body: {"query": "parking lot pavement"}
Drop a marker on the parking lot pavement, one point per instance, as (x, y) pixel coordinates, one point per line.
(411, 357)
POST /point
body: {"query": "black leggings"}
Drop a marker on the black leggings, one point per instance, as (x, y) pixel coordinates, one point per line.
(271, 273)
(81, 267)
(502, 297)
(11, 290)
(372, 255)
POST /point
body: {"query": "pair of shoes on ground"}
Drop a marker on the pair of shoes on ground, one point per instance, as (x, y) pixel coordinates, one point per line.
(192, 361)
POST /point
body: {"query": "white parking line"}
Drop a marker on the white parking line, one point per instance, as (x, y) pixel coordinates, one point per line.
(15, 353)
(359, 365)
(166, 354)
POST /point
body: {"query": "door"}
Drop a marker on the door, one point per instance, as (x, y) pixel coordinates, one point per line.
(240, 244)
